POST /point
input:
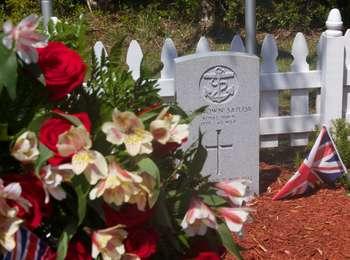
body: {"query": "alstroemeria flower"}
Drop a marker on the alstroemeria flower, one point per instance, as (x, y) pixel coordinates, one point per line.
(236, 190)
(198, 218)
(73, 141)
(92, 164)
(234, 217)
(127, 128)
(12, 191)
(109, 243)
(24, 38)
(25, 148)
(52, 180)
(145, 193)
(76, 141)
(118, 187)
(166, 128)
(9, 225)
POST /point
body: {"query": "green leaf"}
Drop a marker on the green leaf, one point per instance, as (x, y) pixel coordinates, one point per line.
(65, 237)
(72, 119)
(44, 154)
(194, 114)
(8, 68)
(199, 158)
(82, 188)
(227, 240)
(116, 52)
(37, 121)
(213, 200)
(148, 166)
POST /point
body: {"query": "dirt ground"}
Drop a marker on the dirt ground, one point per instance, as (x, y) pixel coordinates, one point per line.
(315, 226)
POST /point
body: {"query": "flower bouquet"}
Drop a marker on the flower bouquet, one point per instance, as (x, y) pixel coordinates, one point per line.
(96, 169)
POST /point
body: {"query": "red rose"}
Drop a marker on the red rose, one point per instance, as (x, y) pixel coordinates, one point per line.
(53, 127)
(141, 242)
(63, 69)
(32, 190)
(208, 255)
(128, 215)
(77, 250)
(202, 250)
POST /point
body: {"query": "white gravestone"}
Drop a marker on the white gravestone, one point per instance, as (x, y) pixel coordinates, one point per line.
(228, 83)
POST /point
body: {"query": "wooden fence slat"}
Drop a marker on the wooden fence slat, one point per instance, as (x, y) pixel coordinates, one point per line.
(237, 44)
(99, 50)
(290, 80)
(288, 124)
(134, 58)
(299, 103)
(202, 45)
(269, 99)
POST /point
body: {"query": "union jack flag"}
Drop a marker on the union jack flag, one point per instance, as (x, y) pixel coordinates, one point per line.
(323, 164)
(29, 247)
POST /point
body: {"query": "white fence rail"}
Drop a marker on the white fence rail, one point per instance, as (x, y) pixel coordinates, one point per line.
(331, 80)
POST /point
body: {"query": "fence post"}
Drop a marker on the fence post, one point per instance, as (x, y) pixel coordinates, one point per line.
(332, 69)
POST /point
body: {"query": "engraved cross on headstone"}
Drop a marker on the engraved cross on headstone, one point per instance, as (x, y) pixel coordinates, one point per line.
(219, 150)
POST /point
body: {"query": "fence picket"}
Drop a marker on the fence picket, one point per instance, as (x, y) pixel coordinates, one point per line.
(299, 103)
(99, 50)
(269, 99)
(347, 76)
(237, 44)
(134, 58)
(203, 45)
(166, 81)
(167, 57)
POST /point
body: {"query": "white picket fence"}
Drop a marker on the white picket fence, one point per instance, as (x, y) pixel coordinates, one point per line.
(331, 79)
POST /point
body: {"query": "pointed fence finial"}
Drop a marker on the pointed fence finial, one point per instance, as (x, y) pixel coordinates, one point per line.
(134, 59)
(99, 50)
(269, 54)
(168, 56)
(334, 23)
(202, 45)
(300, 52)
(237, 44)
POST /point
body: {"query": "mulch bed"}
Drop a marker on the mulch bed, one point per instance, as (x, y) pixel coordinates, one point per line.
(316, 226)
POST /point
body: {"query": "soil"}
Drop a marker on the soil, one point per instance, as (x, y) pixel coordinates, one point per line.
(313, 226)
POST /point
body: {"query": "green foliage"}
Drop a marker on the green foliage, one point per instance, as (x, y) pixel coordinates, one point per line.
(8, 68)
(73, 34)
(113, 85)
(340, 133)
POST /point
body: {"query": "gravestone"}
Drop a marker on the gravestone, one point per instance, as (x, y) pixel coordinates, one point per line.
(228, 84)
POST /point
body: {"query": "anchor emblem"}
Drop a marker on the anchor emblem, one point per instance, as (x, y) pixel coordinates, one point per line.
(219, 84)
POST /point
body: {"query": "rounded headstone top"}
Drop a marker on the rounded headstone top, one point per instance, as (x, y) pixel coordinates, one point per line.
(334, 23)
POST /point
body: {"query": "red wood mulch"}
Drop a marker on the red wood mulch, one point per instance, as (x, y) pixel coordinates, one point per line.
(316, 226)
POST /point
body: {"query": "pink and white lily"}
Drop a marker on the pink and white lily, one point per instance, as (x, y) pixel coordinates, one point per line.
(198, 218)
(25, 148)
(236, 190)
(146, 193)
(127, 128)
(9, 223)
(24, 38)
(167, 128)
(76, 141)
(52, 180)
(234, 217)
(109, 243)
(118, 187)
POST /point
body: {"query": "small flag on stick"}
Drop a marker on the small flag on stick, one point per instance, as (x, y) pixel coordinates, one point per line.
(323, 164)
